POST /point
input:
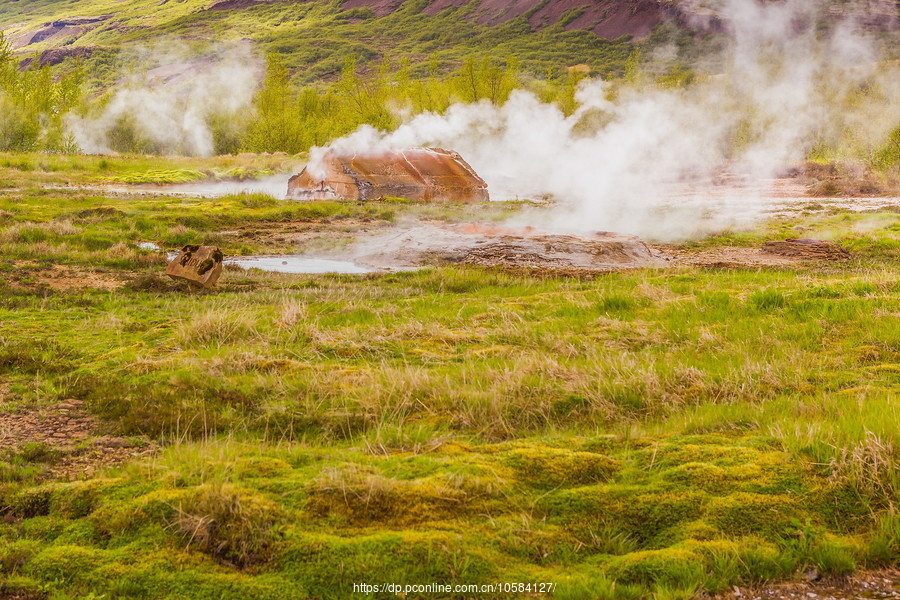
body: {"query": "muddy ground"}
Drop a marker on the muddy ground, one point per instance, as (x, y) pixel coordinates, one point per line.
(414, 242)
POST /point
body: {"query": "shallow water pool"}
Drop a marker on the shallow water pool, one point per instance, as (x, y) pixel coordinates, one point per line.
(296, 264)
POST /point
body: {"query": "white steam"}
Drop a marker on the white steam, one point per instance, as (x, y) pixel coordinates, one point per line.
(171, 99)
(642, 159)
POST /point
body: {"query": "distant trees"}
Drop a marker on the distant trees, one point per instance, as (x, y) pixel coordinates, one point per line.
(284, 117)
(279, 123)
(486, 79)
(292, 119)
(33, 104)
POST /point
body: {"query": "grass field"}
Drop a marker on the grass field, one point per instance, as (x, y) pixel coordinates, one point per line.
(655, 433)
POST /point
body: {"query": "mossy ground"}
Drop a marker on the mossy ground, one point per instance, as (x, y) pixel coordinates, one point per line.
(649, 433)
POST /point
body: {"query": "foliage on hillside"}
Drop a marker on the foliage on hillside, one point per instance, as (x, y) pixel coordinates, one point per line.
(316, 38)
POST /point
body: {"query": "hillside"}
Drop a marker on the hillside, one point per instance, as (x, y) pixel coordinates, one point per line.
(316, 37)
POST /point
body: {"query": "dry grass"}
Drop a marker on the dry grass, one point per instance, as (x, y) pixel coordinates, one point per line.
(233, 525)
(216, 327)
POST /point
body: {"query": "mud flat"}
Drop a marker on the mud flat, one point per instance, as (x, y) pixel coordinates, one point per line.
(503, 247)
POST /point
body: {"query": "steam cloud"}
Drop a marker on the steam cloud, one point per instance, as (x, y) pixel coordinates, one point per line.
(642, 159)
(169, 103)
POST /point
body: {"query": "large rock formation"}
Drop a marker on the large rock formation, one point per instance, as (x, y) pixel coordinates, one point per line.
(414, 174)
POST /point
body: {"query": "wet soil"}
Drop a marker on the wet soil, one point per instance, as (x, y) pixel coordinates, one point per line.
(806, 249)
(489, 245)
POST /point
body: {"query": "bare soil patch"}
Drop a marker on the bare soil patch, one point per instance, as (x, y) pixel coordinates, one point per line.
(866, 585)
(725, 256)
(65, 278)
(67, 428)
(496, 246)
(806, 249)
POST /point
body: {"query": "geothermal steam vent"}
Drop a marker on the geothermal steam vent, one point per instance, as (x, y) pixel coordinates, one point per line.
(415, 174)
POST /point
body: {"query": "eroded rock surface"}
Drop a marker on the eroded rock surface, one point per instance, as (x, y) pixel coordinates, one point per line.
(414, 173)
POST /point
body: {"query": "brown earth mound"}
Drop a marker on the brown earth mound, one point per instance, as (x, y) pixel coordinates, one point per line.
(381, 8)
(608, 19)
(806, 249)
(58, 32)
(414, 174)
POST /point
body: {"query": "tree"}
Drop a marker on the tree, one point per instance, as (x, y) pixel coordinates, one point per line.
(33, 104)
(278, 125)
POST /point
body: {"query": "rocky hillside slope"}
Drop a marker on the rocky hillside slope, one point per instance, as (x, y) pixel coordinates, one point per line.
(316, 36)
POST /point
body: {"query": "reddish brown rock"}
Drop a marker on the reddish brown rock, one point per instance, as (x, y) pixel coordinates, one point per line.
(414, 174)
(201, 265)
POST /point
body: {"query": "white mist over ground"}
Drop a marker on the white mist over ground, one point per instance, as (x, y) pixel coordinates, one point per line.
(642, 159)
(170, 99)
(275, 186)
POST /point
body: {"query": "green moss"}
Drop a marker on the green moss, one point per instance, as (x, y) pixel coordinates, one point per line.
(363, 497)
(648, 515)
(231, 524)
(33, 502)
(64, 563)
(15, 554)
(554, 467)
(161, 177)
(327, 565)
(746, 513)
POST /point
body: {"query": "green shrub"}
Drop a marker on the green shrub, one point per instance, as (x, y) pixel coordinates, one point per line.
(884, 545)
(833, 558)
